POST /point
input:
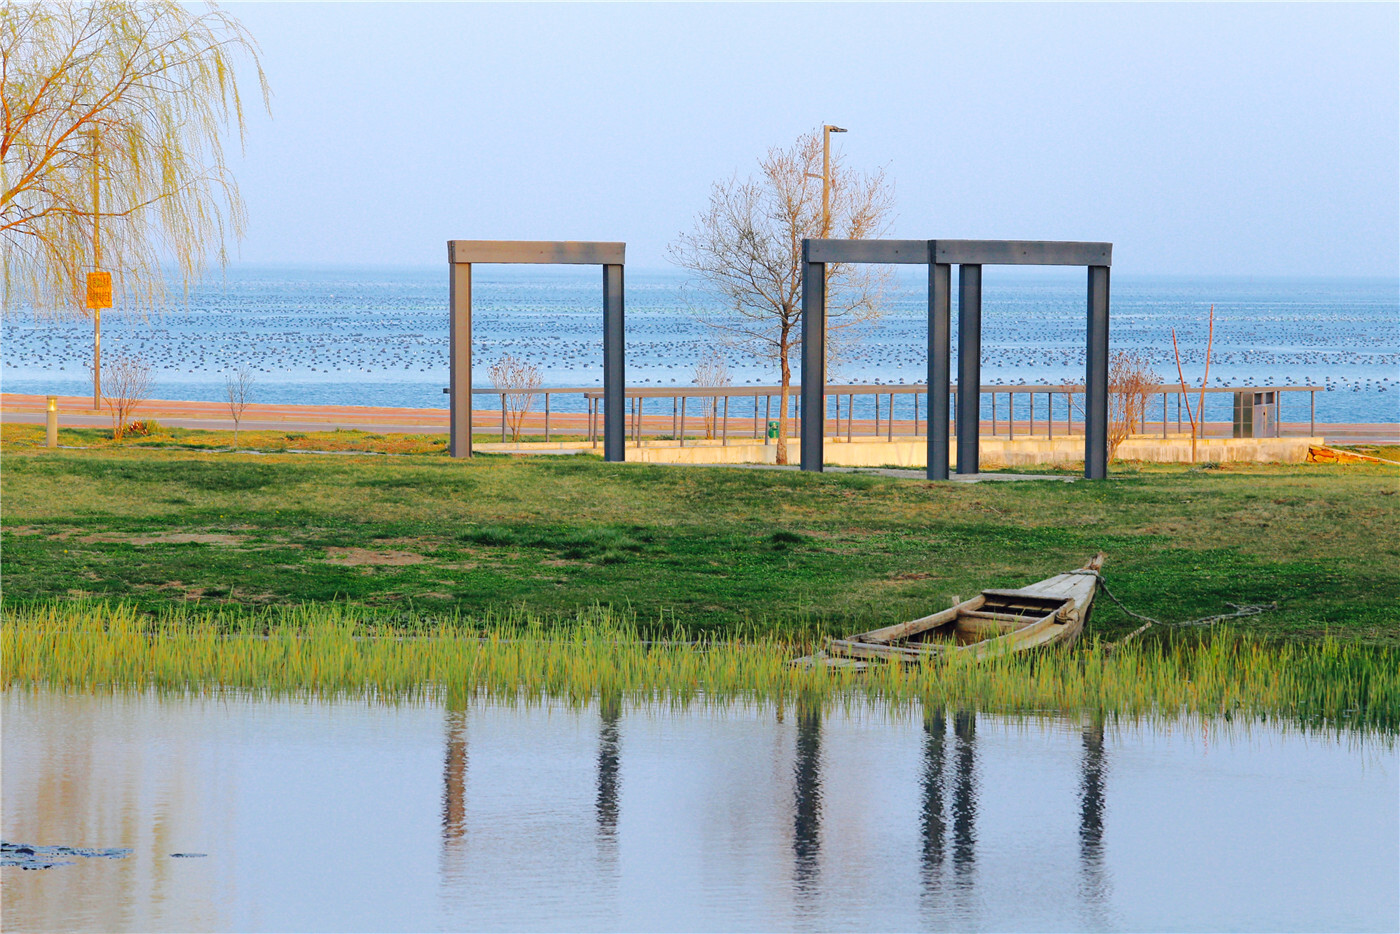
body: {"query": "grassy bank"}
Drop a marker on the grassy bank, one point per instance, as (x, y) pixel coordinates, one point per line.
(715, 550)
(152, 436)
(328, 652)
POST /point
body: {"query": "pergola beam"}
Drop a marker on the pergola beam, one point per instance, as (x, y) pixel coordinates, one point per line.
(556, 252)
(1021, 252)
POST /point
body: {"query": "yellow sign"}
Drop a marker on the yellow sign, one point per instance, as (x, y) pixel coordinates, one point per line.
(99, 290)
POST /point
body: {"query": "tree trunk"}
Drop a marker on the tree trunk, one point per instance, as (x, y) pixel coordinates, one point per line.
(786, 383)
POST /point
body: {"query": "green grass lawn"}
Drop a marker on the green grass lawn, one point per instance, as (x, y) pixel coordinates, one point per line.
(719, 549)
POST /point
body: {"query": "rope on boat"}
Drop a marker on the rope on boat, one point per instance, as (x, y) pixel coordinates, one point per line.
(1245, 609)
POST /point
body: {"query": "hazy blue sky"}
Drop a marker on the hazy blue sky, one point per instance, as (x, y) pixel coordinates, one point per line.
(1253, 139)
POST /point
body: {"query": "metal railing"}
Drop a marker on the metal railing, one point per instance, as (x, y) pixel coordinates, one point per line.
(1023, 409)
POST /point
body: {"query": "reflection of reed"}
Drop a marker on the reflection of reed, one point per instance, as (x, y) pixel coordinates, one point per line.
(965, 797)
(807, 796)
(933, 820)
(610, 710)
(1093, 879)
(454, 777)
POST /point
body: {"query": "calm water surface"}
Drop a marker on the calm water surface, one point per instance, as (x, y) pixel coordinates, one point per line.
(362, 816)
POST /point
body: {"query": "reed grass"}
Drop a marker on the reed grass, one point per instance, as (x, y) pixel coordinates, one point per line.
(335, 651)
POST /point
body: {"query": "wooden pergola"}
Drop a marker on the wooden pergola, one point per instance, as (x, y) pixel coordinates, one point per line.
(461, 254)
(969, 256)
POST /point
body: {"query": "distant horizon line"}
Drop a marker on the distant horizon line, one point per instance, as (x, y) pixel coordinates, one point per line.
(1018, 271)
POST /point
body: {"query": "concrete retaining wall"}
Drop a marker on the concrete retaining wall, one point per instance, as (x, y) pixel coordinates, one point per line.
(995, 452)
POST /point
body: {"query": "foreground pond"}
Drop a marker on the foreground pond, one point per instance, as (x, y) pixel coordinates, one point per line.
(318, 815)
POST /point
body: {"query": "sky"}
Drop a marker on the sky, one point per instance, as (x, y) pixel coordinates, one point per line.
(1249, 139)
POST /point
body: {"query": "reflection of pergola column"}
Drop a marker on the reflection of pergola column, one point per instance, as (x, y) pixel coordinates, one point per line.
(454, 778)
(934, 822)
(807, 795)
(965, 797)
(609, 764)
(1094, 767)
(462, 254)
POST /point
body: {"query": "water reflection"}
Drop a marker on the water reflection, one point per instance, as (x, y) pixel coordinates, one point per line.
(965, 798)
(870, 819)
(807, 797)
(454, 778)
(610, 711)
(933, 821)
(1093, 883)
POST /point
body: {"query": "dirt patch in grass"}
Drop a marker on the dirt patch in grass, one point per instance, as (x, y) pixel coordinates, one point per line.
(165, 538)
(363, 557)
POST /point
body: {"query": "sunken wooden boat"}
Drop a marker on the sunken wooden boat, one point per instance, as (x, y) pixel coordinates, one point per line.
(1049, 612)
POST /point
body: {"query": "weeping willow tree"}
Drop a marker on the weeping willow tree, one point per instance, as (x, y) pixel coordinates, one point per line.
(115, 116)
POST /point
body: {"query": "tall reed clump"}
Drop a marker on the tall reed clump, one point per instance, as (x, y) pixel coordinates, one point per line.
(332, 651)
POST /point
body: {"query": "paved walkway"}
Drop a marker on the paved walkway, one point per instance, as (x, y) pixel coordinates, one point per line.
(76, 411)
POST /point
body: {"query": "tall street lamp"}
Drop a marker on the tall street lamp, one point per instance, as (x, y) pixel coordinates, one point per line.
(827, 130)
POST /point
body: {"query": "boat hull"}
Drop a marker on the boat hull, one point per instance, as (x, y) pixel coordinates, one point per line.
(1049, 612)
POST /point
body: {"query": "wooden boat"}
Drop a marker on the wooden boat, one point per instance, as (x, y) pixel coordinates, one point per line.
(1048, 612)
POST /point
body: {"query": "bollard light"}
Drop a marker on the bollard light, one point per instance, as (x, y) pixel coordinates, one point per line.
(51, 423)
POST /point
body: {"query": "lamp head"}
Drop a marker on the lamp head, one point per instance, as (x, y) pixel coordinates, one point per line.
(834, 129)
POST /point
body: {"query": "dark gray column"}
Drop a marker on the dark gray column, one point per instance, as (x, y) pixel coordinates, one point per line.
(614, 429)
(460, 353)
(969, 365)
(813, 362)
(1096, 378)
(939, 327)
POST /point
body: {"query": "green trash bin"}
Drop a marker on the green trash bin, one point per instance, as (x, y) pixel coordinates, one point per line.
(773, 430)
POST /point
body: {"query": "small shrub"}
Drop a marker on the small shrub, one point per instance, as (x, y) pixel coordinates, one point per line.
(144, 428)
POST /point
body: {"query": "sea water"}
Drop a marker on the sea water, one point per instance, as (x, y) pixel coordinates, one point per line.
(379, 336)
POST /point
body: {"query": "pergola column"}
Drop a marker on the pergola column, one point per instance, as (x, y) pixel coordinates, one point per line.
(1096, 377)
(939, 327)
(460, 353)
(969, 365)
(813, 361)
(614, 385)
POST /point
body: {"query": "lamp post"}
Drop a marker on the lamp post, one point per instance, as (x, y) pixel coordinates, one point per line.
(827, 130)
(96, 266)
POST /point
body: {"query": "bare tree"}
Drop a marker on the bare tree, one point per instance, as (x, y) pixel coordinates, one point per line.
(712, 372)
(518, 382)
(239, 386)
(129, 384)
(1130, 380)
(746, 248)
(1197, 419)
